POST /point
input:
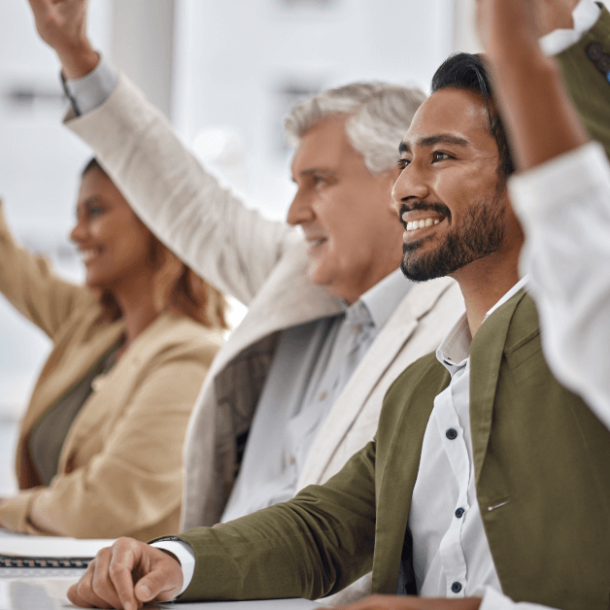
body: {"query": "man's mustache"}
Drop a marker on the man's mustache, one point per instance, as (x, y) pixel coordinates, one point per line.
(439, 208)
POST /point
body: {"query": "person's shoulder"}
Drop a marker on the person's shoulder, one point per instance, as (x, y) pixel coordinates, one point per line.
(180, 335)
(423, 370)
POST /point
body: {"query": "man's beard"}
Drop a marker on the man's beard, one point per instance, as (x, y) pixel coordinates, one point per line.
(481, 234)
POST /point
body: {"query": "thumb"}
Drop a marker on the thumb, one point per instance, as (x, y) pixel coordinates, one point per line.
(160, 584)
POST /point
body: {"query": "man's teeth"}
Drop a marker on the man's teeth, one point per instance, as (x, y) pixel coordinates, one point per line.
(88, 254)
(420, 224)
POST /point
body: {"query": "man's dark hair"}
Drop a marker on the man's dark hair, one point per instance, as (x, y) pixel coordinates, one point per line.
(466, 71)
(91, 165)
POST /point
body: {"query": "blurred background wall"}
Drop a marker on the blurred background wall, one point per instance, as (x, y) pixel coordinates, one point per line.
(224, 72)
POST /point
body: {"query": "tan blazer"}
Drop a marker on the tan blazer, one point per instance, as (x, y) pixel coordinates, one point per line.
(120, 469)
(264, 264)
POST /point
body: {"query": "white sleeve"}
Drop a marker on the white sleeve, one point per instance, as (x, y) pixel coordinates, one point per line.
(564, 207)
(232, 247)
(494, 600)
(185, 556)
(585, 16)
(92, 90)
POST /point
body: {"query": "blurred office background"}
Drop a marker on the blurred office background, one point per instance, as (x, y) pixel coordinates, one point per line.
(225, 73)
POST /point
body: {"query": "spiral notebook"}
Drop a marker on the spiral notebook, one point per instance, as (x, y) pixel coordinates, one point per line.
(21, 551)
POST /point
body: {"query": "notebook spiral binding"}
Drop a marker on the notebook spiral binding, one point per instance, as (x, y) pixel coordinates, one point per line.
(44, 562)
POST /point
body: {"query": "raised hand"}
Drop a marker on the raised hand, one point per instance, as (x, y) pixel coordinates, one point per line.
(536, 109)
(514, 26)
(392, 602)
(128, 575)
(62, 24)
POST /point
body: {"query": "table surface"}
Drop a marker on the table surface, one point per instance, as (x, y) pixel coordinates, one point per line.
(33, 593)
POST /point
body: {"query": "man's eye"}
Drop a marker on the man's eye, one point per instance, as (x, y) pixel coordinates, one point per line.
(440, 156)
(95, 210)
(402, 163)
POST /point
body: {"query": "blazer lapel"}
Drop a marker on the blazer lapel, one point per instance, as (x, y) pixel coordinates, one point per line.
(287, 299)
(383, 352)
(486, 353)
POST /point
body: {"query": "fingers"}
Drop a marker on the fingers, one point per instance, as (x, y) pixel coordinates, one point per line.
(126, 556)
(81, 594)
(101, 585)
(108, 581)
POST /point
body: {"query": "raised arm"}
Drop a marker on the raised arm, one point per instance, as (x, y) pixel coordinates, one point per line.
(562, 194)
(29, 284)
(232, 247)
(533, 98)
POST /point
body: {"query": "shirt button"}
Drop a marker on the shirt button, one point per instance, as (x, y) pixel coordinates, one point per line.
(291, 460)
(451, 434)
(459, 512)
(322, 395)
(456, 587)
(357, 329)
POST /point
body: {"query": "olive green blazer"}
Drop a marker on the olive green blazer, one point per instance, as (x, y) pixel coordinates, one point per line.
(542, 463)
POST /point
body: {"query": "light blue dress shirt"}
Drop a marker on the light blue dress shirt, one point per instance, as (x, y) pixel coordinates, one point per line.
(311, 367)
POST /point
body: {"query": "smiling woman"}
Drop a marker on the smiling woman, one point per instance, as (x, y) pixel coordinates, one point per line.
(100, 446)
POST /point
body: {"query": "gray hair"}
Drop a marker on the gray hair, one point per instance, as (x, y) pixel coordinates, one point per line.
(380, 116)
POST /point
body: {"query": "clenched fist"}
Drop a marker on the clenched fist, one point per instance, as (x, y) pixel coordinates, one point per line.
(126, 576)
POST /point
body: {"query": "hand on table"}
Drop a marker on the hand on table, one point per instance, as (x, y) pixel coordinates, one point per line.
(62, 24)
(392, 602)
(126, 576)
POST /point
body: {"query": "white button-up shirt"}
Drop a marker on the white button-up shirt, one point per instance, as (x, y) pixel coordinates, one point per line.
(451, 555)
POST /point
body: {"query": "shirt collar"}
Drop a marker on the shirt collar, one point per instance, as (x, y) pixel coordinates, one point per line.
(384, 297)
(454, 351)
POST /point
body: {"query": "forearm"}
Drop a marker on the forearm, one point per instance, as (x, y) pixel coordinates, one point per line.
(538, 112)
(29, 284)
(232, 247)
(312, 546)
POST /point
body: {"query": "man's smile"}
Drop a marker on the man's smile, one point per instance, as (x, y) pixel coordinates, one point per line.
(418, 222)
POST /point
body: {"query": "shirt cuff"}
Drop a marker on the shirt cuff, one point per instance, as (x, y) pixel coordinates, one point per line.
(494, 600)
(93, 89)
(560, 181)
(585, 16)
(185, 555)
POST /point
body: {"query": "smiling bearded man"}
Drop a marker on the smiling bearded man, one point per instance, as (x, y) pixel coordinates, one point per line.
(483, 230)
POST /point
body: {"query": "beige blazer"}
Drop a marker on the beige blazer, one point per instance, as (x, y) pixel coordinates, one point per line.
(263, 264)
(120, 469)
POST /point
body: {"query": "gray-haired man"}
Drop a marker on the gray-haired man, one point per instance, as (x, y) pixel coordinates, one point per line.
(331, 321)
